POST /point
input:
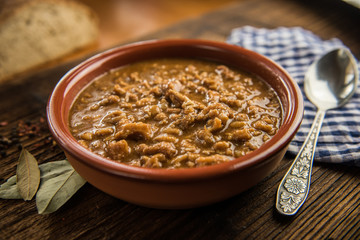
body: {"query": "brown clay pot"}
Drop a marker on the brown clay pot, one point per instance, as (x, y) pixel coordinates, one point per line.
(175, 188)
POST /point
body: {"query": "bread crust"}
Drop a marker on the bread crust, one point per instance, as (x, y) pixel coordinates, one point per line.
(12, 11)
(9, 8)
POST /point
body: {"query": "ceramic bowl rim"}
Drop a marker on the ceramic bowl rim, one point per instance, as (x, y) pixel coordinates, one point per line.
(63, 137)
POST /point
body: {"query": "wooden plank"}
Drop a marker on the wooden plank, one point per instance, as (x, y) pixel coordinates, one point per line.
(320, 16)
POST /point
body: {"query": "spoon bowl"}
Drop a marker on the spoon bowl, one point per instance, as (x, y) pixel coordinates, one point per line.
(329, 83)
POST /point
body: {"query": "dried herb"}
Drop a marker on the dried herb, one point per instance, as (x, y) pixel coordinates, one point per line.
(28, 175)
(59, 182)
(9, 190)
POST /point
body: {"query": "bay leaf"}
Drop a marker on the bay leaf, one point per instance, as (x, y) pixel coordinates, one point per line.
(9, 190)
(59, 182)
(28, 175)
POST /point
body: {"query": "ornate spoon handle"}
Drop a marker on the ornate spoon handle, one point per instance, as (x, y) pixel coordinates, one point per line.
(294, 187)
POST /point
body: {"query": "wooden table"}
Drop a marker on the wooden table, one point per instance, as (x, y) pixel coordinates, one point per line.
(332, 210)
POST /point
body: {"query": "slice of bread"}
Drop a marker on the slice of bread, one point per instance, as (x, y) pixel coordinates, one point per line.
(33, 32)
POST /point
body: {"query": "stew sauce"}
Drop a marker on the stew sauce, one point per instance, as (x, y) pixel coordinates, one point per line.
(173, 113)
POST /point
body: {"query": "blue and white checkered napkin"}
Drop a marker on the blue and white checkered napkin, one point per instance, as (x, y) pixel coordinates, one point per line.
(295, 49)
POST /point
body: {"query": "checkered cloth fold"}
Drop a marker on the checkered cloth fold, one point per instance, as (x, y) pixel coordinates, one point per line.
(295, 49)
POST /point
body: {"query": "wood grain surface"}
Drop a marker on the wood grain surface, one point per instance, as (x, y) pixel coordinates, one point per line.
(332, 210)
(123, 20)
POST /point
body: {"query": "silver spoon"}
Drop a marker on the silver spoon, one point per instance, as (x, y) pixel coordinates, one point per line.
(329, 83)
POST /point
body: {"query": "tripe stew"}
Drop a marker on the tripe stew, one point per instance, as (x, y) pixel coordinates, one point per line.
(175, 113)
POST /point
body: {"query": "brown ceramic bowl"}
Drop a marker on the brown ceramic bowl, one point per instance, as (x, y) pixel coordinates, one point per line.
(176, 188)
